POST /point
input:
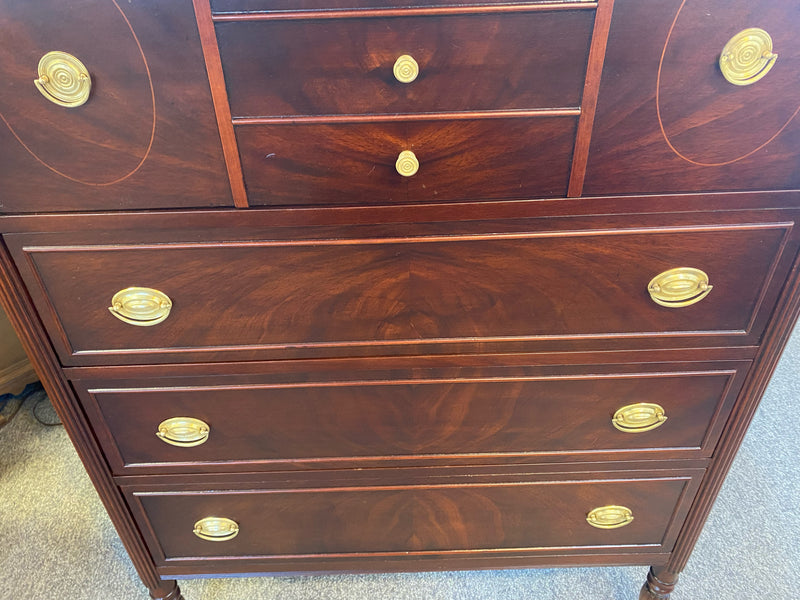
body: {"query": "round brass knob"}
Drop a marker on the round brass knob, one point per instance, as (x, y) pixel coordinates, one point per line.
(638, 418)
(407, 163)
(183, 431)
(405, 69)
(63, 79)
(216, 529)
(679, 287)
(140, 306)
(610, 517)
(747, 57)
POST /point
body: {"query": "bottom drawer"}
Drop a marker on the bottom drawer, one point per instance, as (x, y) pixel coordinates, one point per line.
(509, 515)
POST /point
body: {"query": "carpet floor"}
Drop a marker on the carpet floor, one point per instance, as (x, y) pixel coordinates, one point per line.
(56, 542)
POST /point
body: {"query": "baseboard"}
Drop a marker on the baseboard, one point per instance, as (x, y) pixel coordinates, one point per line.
(13, 379)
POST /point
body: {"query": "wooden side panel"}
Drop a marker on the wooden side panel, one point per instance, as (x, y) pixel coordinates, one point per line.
(668, 121)
(147, 136)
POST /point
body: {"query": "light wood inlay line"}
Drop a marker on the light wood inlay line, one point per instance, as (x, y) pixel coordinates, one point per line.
(594, 70)
(216, 78)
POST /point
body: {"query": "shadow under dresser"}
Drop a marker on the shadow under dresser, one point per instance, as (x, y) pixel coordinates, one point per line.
(350, 285)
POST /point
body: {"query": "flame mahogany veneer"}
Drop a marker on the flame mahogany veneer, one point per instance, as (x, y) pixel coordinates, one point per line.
(401, 373)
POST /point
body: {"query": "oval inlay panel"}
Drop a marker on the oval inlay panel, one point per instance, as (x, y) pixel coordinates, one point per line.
(706, 120)
(107, 139)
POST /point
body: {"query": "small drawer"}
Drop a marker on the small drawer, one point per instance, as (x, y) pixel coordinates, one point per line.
(525, 516)
(357, 163)
(402, 417)
(347, 66)
(261, 292)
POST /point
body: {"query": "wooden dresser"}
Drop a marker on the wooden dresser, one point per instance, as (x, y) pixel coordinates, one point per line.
(342, 285)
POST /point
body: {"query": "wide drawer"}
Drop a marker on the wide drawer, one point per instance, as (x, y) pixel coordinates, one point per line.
(221, 7)
(399, 416)
(464, 62)
(282, 292)
(356, 163)
(513, 516)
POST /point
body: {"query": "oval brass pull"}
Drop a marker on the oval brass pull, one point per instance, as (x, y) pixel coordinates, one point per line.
(679, 287)
(747, 57)
(140, 306)
(405, 69)
(216, 529)
(610, 517)
(63, 79)
(638, 418)
(407, 163)
(183, 431)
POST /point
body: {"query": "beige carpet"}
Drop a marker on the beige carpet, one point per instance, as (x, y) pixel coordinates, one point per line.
(57, 543)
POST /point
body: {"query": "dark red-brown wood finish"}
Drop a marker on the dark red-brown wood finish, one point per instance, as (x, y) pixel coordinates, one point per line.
(402, 373)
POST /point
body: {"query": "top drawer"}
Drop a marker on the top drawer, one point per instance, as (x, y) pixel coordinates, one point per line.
(346, 66)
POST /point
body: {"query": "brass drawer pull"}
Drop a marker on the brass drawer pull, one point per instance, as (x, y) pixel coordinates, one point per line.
(610, 517)
(216, 529)
(747, 57)
(140, 306)
(679, 287)
(407, 163)
(63, 79)
(183, 431)
(405, 69)
(638, 418)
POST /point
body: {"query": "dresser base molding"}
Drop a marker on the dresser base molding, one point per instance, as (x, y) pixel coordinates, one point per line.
(658, 587)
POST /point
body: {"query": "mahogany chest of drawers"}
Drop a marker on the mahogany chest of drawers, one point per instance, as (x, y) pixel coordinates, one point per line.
(344, 285)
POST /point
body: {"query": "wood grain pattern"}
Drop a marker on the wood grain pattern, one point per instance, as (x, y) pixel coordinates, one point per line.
(704, 117)
(369, 292)
(488, 414)
(145, 127)
(354, 163)
(344, 66)
(522, 517)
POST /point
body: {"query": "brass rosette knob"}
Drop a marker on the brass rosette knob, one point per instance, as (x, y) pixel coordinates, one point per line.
(216, 529)
(679, 287)
(407, 164)
(405, 69)
(747, 57)
(63, 79)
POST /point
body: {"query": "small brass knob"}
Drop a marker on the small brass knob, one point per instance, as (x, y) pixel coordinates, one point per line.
(140, 306)
(216, 529)
(63, 79)
(747, 57)
(638, 418)
(610, 517)
(405, 69)
(682, 286)
(407, 163)
(183, 431)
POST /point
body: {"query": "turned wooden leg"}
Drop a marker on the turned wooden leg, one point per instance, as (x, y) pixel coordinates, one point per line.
(659, 584)
(168, 590)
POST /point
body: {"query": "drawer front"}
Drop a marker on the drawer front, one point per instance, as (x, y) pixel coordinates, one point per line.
(524, 517)
(145, 138)
(340, 295)
(356, 163)
(346, 66)
(424, 416)
(668, 120)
